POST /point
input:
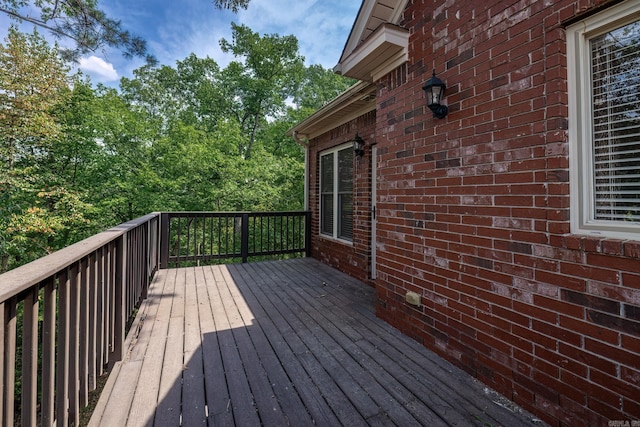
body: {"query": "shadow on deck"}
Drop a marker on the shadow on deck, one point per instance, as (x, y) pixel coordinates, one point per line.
(283, 343)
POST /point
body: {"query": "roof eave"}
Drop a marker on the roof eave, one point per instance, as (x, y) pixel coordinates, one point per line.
(352, 103)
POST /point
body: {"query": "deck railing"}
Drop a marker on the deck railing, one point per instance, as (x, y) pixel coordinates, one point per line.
(205, 236)
(63, 318)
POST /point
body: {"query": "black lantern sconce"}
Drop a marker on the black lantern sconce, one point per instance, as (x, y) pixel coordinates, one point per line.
(358, 145)
(434, 91)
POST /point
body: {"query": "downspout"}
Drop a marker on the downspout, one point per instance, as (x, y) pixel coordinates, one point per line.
(305, 143)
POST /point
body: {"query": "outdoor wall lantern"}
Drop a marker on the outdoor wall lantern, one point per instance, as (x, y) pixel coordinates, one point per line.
(358, 145)
(434, 91)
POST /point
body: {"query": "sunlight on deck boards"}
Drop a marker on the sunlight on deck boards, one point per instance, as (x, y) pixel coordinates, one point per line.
(282, 343)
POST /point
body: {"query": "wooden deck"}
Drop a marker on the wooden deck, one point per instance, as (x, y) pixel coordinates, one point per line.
(282, 343)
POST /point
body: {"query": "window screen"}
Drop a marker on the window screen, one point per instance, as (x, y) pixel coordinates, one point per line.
(615, 67)
(326, 193)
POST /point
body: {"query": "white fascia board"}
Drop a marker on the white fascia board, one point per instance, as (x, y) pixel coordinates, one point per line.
(386, 43)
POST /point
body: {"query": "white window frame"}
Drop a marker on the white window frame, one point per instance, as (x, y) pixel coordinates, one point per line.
(336, 207)
(580, 120)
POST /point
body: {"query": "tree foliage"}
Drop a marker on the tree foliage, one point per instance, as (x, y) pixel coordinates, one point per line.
(267, 73)
(33, 79)
(77, 158)
(37, 212)
(233, 5)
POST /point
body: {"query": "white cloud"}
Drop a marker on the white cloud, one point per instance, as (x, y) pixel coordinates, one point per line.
(173, 29)
(321, 27)
(98, 68)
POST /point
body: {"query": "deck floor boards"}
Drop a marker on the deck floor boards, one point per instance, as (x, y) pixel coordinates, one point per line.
(282, 343)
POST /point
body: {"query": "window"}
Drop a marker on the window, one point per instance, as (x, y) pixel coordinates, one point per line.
(603, 54)
(336, 193)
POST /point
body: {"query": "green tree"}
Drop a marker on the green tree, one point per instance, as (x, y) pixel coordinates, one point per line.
(38, 213)
(33, 80)
(319, 86)
(191, 92)
(123, 135)
(260, 83)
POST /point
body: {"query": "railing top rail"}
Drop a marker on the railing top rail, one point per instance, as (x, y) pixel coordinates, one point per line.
(17, 280)
(233, 213)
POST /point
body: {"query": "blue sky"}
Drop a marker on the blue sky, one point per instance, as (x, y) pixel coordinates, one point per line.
(176, 28)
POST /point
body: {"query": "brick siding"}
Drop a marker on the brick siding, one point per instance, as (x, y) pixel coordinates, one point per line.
(352, 258)
(473, 214)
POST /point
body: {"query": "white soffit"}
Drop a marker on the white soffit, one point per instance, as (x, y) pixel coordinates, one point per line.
(376, 42)
(385, 48)
(351, 104)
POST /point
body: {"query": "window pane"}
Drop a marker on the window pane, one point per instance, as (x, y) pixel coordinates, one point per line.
(345, 227)
(345, 170)
(345, 194)
(615, 65)
(326, 177)
(326, 214)
(326, 194)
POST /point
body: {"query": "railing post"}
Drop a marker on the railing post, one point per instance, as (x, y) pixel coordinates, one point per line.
(164, 240)
(307, 233)
(244, 237)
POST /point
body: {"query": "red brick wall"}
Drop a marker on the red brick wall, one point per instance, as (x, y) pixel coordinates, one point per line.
(473, 214)
(354, 258)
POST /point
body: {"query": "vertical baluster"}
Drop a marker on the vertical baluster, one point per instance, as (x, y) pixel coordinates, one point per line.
(29, 397)
(155, 245)
(139, 254)
(179, 237)
(74, 344)
(204, 236)
(130, 285)
(188, 245)
(165, 233)
(9, 365)
(295, 221)
(244, 237)
(93, 329)
(62, 365)
(254, 220)
(48, 351)
(280, 242)
(300, 235)
(84, 332)
(228, 237)
(271, 221)
(195, 238)
(129, 273)
(219, 235)
(100, 309)
(211, 234)
(146, 259)
(111, 304)
(119, 320)
(108, 305)
(261, 233)
(307, 233)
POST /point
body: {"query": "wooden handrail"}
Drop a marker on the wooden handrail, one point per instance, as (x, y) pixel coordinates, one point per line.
(15, 281)
(85, 294)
